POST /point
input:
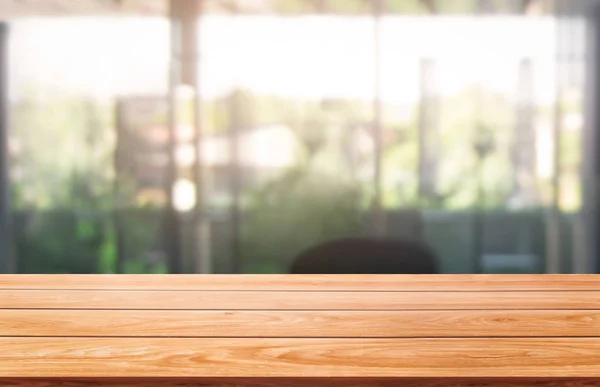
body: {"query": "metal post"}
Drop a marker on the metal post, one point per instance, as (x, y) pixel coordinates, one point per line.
(523, 145)
(172, 223)
(201, 214)
(576, 80)
(235, 176)
(7, 264)
(185, 18)
(591, 143)
(478, 221)
(483, 146)
(378, 214)
(566, 11)
(553, 223)
(477, 232)
(237, 122)
(428, 130)
(554, 233)
(117, 214)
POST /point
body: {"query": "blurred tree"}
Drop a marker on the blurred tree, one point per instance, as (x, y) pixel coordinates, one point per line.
(62, 165)
(63, 155)
(295, 211)
(309, 203)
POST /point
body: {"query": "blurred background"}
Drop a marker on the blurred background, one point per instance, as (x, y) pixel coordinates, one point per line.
(224, 136)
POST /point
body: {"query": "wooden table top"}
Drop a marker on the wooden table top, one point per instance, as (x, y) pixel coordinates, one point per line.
(267, 330)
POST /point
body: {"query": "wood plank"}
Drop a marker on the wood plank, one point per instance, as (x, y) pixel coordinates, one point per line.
(300, 382)
(393, 282)
(268, 357)
(253, 300)
(473, 323)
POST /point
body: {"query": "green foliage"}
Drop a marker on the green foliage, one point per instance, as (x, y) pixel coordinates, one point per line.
(63, 167)
(461, 129)
(65, 162)
(64, 157)
(60, 242)
(140, 232)
(294, 212)
(400, 165)
(107, 259)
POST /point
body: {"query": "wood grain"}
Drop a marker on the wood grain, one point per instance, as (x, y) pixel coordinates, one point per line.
(252, 300)
(473, 323)
(300, 382)
(268, 357)
(392, 282)
(285, 330)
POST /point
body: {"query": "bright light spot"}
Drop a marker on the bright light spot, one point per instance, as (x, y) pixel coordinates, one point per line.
(184, 195)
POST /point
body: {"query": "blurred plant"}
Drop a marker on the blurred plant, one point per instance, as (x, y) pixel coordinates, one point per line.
(62, 184)
(295, 211)
(63, 152)
(483, 143)
(61, 242)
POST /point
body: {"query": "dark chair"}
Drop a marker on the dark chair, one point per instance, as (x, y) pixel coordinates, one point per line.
(366, 256)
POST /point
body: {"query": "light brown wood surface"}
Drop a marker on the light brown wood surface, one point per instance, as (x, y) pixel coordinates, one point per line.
(294, 330)
(290, 282)
(176, 323)
(271, 357)
(300, 382)
(296, 300)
